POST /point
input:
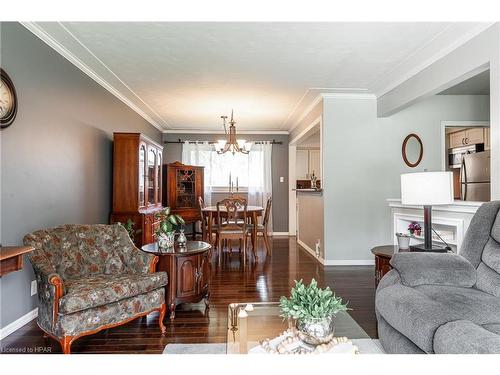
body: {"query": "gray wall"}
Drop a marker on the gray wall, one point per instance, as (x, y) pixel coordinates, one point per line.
(363, 163)
(56, 158)
(173, 152)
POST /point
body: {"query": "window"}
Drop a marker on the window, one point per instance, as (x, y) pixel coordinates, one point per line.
(218, 168)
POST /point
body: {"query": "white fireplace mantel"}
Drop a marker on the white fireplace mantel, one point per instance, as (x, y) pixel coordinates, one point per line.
(451, 221)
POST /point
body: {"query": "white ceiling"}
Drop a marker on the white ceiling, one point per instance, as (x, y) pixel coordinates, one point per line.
(185, 75)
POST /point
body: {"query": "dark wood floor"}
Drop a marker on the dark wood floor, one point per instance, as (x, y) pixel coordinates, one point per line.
(266, 280)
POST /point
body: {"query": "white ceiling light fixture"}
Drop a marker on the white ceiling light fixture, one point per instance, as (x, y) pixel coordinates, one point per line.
(231, 143)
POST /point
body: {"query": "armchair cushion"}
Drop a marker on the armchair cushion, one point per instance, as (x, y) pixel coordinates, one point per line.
(434, 268)
(93, 291)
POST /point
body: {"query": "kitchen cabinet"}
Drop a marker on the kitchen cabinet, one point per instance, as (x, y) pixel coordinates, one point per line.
(307, 162)
(466, 137)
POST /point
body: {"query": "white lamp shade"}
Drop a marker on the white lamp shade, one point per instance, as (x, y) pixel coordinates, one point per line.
(427, 188)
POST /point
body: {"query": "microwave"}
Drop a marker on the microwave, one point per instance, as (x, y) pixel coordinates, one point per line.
(455, 155)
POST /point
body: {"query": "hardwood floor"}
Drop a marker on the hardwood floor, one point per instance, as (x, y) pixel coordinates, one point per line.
(266, 280)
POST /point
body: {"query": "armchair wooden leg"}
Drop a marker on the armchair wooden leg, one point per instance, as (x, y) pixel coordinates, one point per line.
(66, 344)
(163, 311)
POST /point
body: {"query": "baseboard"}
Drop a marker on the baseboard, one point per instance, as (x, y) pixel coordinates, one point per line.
(310, 251)
(16, 324)
(349, 262)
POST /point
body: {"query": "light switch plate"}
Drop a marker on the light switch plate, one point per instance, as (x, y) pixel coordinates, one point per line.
(282, 179)
(33, 287)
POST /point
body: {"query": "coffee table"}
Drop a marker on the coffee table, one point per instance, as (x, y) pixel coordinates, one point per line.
(264, 322)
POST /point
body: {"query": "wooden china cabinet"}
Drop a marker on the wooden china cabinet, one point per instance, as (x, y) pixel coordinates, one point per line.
(184, 184)
(137, 184)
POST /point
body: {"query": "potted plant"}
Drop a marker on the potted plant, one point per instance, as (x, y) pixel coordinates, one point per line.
(414, 228)
(166, 229)
(313, 309)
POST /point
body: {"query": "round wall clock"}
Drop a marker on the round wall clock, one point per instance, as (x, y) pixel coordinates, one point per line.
(8, 100)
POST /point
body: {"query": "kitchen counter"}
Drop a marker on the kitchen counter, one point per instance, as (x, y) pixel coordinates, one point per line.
(308, 190)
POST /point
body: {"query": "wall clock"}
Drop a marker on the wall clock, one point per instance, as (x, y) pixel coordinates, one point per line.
(8, 100)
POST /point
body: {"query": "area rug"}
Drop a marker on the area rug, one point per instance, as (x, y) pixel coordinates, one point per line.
(365, 346)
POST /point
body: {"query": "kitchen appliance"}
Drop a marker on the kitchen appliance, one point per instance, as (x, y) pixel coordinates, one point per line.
(475, 177)
(455, 155)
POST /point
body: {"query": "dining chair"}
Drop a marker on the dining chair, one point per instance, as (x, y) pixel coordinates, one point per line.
(204, 223)
(264, 227)
(232, 223)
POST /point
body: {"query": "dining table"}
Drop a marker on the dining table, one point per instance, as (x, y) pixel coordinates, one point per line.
(253, 213)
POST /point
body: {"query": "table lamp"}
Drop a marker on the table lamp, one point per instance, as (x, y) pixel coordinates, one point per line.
(427, 189)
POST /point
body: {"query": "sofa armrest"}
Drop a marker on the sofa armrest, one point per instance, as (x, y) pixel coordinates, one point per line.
(420, 268)
(50, 289)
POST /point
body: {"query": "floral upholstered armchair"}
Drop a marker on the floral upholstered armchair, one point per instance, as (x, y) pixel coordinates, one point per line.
(92, 277)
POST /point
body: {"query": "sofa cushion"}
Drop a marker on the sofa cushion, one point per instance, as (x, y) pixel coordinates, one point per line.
(412, 313)
(465, 303)
(488, 280)
(434, 268)
(93, 291)
(463, 336)
(491, 255)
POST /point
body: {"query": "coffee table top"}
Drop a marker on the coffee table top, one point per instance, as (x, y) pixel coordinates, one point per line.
(192, 247)
(264, 322)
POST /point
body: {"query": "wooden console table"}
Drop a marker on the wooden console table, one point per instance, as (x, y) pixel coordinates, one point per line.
(11, 258)
(188, 269)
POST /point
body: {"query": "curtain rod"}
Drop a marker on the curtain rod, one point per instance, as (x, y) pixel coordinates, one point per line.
(273, 142)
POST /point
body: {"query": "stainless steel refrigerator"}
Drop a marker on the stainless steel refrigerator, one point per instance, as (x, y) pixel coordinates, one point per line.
(475, 177)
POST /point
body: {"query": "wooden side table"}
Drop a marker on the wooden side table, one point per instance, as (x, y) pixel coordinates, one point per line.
(11, 258)
(383, 255)
(188, 269)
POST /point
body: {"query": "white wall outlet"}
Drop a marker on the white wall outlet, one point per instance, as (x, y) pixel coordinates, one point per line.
(33, 287)
(282, 179)
(318, 248)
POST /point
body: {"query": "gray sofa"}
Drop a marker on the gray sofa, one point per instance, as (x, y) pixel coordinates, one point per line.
(445, 303)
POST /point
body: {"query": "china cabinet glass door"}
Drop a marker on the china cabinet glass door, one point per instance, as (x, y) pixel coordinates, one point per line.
(151, 176)
(142, 175)
(158, 179)
(186, 188)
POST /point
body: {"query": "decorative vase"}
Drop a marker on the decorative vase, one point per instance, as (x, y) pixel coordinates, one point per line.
(181, 239)
(403, 241)
(166, 240)
(316, 331)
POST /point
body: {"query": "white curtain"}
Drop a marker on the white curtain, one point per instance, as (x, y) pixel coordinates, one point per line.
(199, 154)
(260, 184)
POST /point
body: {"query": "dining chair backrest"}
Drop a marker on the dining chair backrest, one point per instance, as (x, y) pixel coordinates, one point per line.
(267, 213)
(229, 210)
(201, 206)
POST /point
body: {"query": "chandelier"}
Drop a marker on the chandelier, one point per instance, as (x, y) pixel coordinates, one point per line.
(231, 143)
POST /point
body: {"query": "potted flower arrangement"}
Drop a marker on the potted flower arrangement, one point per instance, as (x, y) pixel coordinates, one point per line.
(313, 309)
(414, 228)
(166, 230)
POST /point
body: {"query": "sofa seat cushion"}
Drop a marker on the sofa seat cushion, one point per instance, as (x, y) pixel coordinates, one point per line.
(413, 314)
(463, 336)
(418, 312)
(93, 291)
(466, 303)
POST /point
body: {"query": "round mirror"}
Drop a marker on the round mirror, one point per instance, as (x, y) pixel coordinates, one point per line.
(413, 150)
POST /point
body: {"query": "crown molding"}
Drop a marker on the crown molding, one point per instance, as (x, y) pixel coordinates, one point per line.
(250, 132)
(349, 96)
(436, 57)
(85, 67)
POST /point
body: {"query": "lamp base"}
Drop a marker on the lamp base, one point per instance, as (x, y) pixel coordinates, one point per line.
(434, 249)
